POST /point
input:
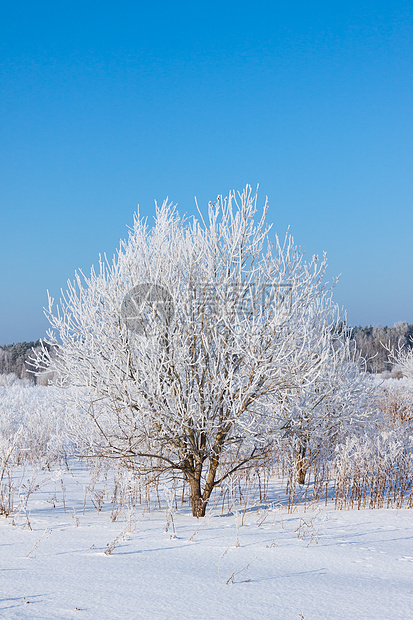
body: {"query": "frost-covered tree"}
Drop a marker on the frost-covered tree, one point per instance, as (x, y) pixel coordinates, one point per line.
(335, 405)
(375, 342)
(184, 348)
(402, 359)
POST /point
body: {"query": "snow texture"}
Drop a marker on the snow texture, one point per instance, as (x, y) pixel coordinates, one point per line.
(264, 563)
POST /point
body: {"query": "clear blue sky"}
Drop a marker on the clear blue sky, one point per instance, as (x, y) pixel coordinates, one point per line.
(107, 105)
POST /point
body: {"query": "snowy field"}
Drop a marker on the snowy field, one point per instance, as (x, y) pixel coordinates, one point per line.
(68, 550)
(75, 562)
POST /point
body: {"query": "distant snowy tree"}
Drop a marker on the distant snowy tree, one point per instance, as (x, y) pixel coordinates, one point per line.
(402, 359)
(374, 343)
(186, 349)
(14, 359)
(335, 405)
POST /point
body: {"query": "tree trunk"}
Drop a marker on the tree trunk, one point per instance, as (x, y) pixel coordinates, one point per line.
(197, 502)
(301, 472)
(302, 464)
(199, 499)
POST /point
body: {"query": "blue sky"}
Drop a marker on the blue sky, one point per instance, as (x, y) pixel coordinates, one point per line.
(104, 106)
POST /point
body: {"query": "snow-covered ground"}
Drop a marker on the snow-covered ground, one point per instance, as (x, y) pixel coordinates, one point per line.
(265, 563)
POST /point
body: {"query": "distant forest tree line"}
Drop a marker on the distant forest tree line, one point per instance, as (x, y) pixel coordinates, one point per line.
(15, 359)
(374, 342)
(371, 341)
